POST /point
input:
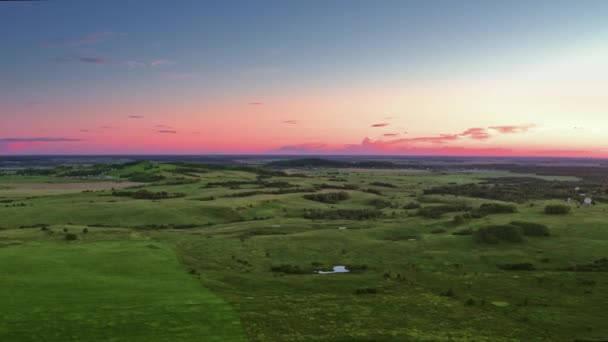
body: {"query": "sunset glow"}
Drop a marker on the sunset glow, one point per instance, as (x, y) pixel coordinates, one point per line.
(286, 78)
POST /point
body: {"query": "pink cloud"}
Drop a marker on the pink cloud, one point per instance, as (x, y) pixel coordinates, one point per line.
(166, 132)
(290, 122)
(135, 117)
(380, 124)
(476, 133)
(255, 103)
(512, 129)
(390, 134)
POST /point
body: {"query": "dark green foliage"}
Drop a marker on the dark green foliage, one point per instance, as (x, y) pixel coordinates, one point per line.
(380, 203)
(386, 185)
(470, 302)
(524, 266)
(85, 230)
(145, 194)
(599, 265)
(518, 192)
(532, 229)
(328, 197)
(466, 231)
(342, 214)
(71, 237)
(496, 233)
(458, 220)
(355, 268)
(366, 290)
(557, 209)
(143, 177)
(289, 269)
(435, 212)
(336, 187)
(438, 231)
(412, 205)
(372, 191)
(493, 208)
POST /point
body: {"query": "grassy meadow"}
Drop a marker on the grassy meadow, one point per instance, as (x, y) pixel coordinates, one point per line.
(172, 252)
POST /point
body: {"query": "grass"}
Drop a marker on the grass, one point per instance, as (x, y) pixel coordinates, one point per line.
(439, 287)
(108, 290)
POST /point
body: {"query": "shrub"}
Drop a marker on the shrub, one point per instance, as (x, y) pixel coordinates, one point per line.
(524, 266)
(435, 212)
(366, 290)
(557, 209)
(438, 231)
(329, 197)
(532, 229)
(494, 234)
(466, 231)
(458, 220)
(412, 205)
(71, 237)
(288, 269)
(379, 203)
(85, 230)
(386, 185)
(494, 208)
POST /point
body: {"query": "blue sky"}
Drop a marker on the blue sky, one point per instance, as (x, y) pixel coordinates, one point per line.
(62, 52)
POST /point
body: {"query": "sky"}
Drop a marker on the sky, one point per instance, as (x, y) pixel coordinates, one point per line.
(431, 77)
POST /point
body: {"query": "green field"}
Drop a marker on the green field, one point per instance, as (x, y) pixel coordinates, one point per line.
(237, 260)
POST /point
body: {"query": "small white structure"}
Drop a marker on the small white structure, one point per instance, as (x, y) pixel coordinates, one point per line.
(337, 269)
(588, 201)
(577, 189)
(341, 228)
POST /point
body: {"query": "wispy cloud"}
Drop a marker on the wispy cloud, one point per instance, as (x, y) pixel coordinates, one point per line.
(79, 57)
(163, 126)
(256, 103)
(135, 117)
(383, 124)
(164, 131)
(153, 63)
(512, 128)
(390, 134)
(38, 139)
(94, 38)
(477, 133)
(290, 122)
(107, 127)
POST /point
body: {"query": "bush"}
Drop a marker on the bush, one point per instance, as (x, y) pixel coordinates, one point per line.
(380, 203)
(494, 208)
(85, 230)
(412, 205)
(438, 231)
(524, 266)
(329, 197)
(458, 220)
(494, 234)
(366, 290)
(532, 229)
(288, 269)
(435, 212)
(71, 237)
(557, 209)
(466, 231)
